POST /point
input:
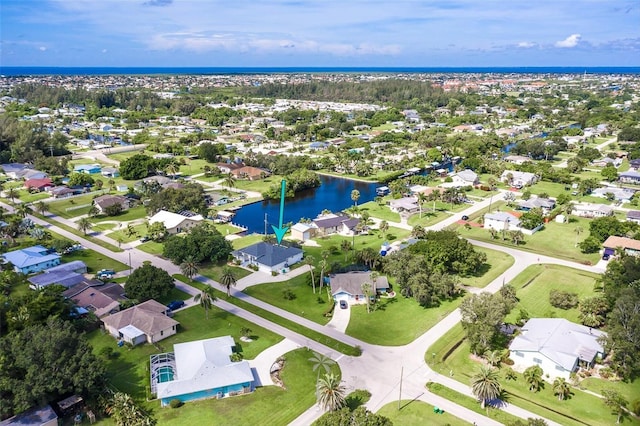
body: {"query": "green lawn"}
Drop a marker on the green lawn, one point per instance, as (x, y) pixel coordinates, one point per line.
(381, 212)
(95, 261)
(27, 197)
(74, 231)
(246, 241)
(138, 212)
(214, 271)
(555, 239)
(151, 247)
(174, 294)
(417, 413)
(497, 262)
(128, 371)
(59, 208)
(257, 185)
(121, 233)
(227, 229)
(428, 218)
(310, 306)
(534, 284)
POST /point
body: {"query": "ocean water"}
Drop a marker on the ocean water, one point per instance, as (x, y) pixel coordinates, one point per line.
(21, 71)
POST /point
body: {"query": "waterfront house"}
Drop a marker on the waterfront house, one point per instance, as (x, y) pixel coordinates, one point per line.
(591, 210)
(556, 345)
(629, 245)
(32, 259)
(199, 370)
(348, 286)
(329, 224)
(302, 231)
(268, 257)
(405, 204)
(147, 322)
(463, 178)
(175, 223)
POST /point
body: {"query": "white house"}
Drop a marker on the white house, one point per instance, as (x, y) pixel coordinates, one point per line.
(558, 346)
(175, 223)
(463, 178)
(268, 257)
(405, 204)
(501, 221)
(591, 210)
(518, 179)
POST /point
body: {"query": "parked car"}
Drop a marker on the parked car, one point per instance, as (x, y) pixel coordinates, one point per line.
(144, 239)
(176, 304)
(105, 274)
(343, 304)
(605, 256)
(465, 217)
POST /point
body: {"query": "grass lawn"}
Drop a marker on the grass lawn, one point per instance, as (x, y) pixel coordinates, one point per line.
(94, 260)
(497, 262)
(555, 239)
(71, 207)
(214, 271)
(269, 405)
(306, 303)
(174, 294)
(311, 334)
(470, 403)
(227, 229)
(534, 284)
(128, 371)
(417, 413)
(378, 211)
(260, 186)
(246, 241)
(133, 213)
(74, 231)
(121, 233)
(27, 197)
(428, 218)
(151, 247)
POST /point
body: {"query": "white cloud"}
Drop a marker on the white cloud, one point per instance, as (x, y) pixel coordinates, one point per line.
(42, 48)
(570, 41)
(526, 44)
(104, 50)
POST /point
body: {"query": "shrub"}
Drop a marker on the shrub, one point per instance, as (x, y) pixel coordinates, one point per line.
(288, 294)
(563, 299)
(635, 407)
(175, 403)
(106, 352)
(606, 372)
(236, 357)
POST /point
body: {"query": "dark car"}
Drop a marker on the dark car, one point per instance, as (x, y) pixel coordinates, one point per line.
(465, 217)
(176, 304)
(605, 256)
(343, 304)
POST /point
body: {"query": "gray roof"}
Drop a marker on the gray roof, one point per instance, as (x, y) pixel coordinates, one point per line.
(633, 214)
(32, 417)
(65, 278)
(68, 267)
(268, 254)
(630, 174)
(330, 222)
(538, 202)
(351, 282)
(559, 340)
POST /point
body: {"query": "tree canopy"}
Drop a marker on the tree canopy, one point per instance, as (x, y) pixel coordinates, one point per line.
(190, 197)
(445, 251)
(203, 243)
(148, 282)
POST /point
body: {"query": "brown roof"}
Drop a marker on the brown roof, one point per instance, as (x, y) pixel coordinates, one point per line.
(105, 201)
(101, 299)
(148, 317)
(626, 243)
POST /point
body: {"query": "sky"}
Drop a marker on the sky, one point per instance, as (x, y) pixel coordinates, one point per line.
(317, 33)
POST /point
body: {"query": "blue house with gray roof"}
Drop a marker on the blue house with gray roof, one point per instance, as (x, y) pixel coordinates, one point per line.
(32, 259)
(268, 257)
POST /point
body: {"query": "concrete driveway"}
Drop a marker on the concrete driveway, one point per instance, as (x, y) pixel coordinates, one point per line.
(340, 318)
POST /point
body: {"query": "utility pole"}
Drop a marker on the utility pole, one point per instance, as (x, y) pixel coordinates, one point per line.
(400, 393)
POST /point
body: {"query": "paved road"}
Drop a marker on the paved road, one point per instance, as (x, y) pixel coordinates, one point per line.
(378, 368)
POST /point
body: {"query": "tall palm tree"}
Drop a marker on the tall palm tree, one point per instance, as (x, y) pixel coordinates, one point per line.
(331, 392)
(321, 362)
(84, 225)
(345, 246)
(189, 267)
(206, 299)
(533, 376)
(421, 200)
(355, 196)
(23, 210)
(13, 194)
(367, 292)
(41, 207)
(561, 388)
(308, 260)
(228, 279)
(383, 227)
(323, 267)
(230, 180)
(485, 385)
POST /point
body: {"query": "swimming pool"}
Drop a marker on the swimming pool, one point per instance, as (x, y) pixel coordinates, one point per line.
(164, 374)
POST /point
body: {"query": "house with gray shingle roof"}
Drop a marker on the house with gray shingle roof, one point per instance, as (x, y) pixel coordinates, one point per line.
(268, 257)
(556, 345)
(32, 259)
(149, 321)
(348, 286)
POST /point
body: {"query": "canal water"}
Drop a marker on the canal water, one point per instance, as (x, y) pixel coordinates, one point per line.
(333, 194)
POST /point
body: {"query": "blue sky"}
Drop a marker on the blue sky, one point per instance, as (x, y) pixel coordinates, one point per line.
(409, 33)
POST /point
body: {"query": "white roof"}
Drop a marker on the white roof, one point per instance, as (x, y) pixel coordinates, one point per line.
(301, 227)
(131, 332)
(224, 213)
(204, 365)
(171, 220)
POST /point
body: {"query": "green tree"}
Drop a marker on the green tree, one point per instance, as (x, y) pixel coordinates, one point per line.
(624, 333)
(482, 316)
(331, 392)
(358, 417)
(616, 401)
(562, 388)
(125, 412)
(533, 376)
(206, 299)
(203, 243)
(84, 225)
(80, 179)
(383, 227)
(228, 279)
(157, 231)
(320, 362)
(148, 282)
(41, 207)
(93, 211)
(345, 246)
(609, 173)
(23, 210)
(485, 385)
(230, 180)
(593, 310)
(355, 196)
(309, 261)
(189, 267)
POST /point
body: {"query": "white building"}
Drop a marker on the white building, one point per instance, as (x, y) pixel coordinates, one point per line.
(518, 179)
(501, 221)
(591, 210)
(558, 346)
(175, 223)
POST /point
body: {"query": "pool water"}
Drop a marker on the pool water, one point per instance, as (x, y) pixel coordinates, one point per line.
(164, 374)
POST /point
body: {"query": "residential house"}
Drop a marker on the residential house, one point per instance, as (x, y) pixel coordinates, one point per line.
(518, 179)
(39, 185)
(62, 192)
(199, 370)
(32, 259)
(250, 173)
(229, 167)
(77, 266)
(147, 322)
(12, 169)
(463, 178)
(630, 176)
(64, 278)
(175, 223)
(556, 345)
(516, 159)
(404, 204)
(89, 169)
(606, 161)
(103, 202)
(622, 195)
(268, 257)
(348, 286)
(331, 223)
(633, 216)
(302, 231)
(41, 416)
(544, 204)
(591, 210)
(110, 172)
(27, 174)
(97, 297)
(315, 146)
(635, 163)
(502, 221)
(629, 245)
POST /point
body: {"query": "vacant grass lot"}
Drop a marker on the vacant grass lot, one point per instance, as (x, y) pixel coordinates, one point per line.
(555, 239)
(59, 208)
(246, 241)
(214, 271)
(133, 213)
(417, 413)
(95, 261)
(380, 212)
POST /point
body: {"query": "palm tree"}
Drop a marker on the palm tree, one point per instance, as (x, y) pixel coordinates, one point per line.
(383, 227)
(493, 358)
(206, 299)
(421, 200)
(578, 230)
(189, 267)
(345, 246)
(331, 392)
(172, 169)
(367, 292)
(533, 376)
(323, 267)
(41, 207)
(230, 180)
(485, 385)
(228, 279)
(93, 211)
(84, 225)
(321, 362)
(355, 196)
(308, 260)
(561, 388)
(23, 210)
(13, 194)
